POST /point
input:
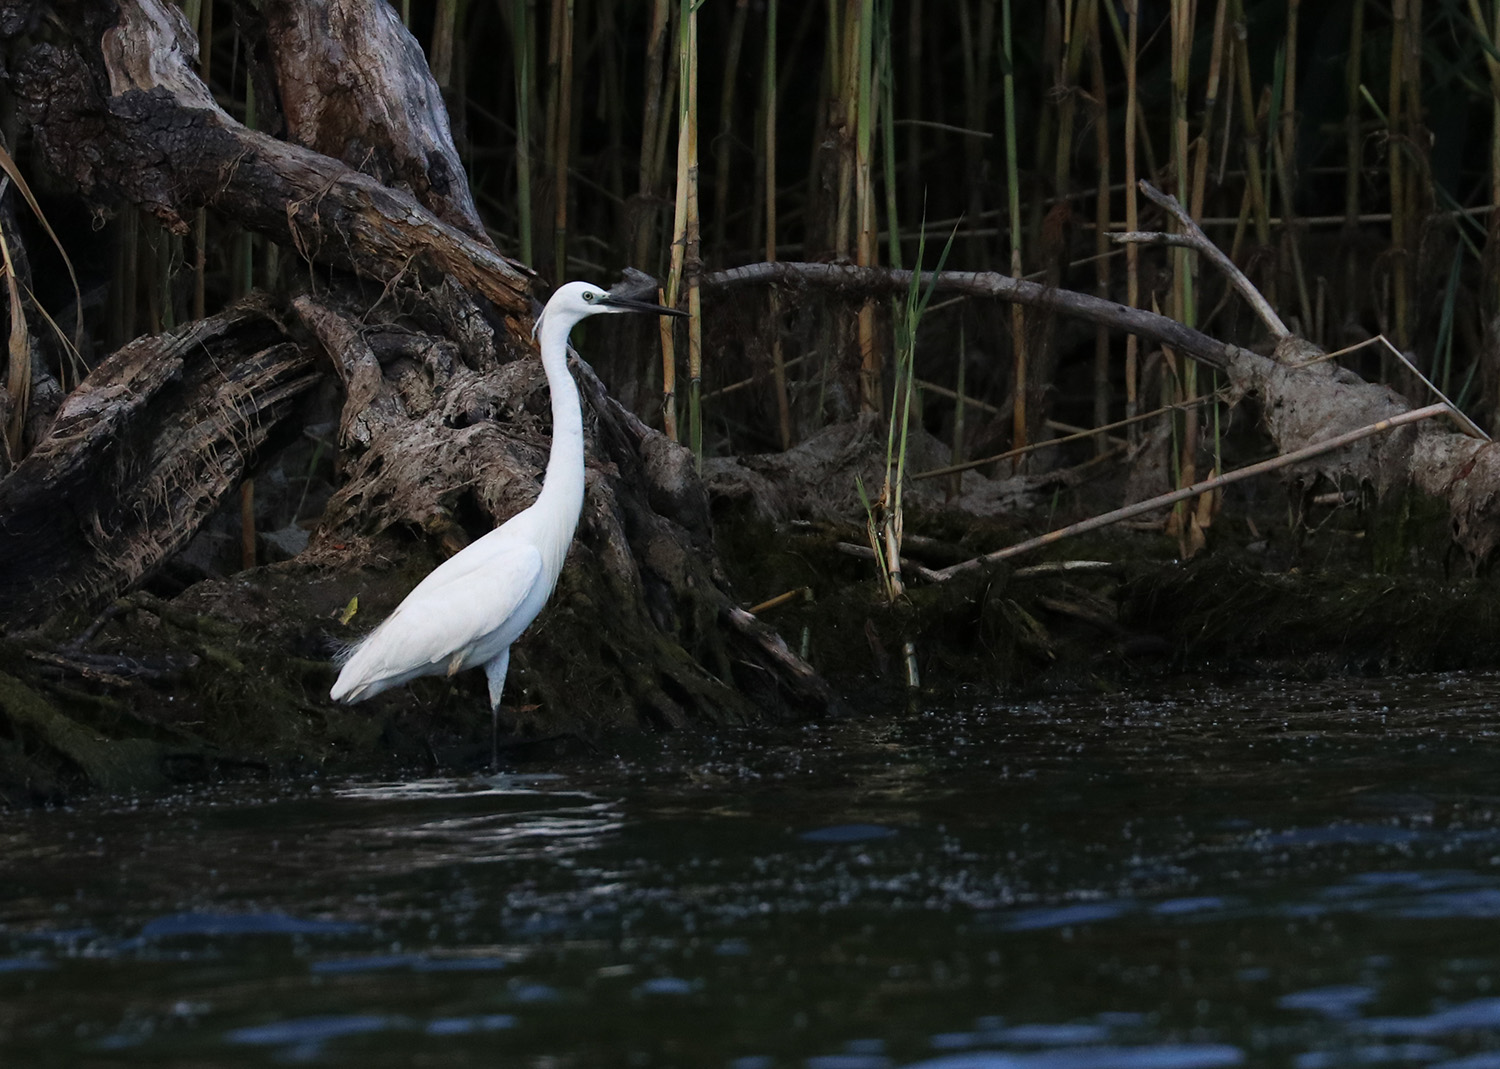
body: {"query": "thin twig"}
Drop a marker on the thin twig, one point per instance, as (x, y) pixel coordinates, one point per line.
(1196, 239)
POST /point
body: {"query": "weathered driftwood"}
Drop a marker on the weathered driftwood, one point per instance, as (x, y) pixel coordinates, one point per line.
(1302, 402)
(444, 429)
(139, 455)
(161, 142)
(354, 85)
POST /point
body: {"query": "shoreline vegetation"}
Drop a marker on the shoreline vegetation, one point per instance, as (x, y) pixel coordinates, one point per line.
(1030, 346)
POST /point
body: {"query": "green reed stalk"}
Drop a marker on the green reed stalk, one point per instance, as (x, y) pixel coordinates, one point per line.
(885, 518)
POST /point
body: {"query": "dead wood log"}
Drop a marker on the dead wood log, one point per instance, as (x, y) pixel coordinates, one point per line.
(444, 428)
(139, 454)
(1303, 400)
(354, 85)
(160, 141)
(636, 623)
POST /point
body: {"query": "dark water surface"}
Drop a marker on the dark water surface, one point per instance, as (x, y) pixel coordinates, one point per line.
(1202, 875)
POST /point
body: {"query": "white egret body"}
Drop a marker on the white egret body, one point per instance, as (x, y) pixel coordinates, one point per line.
(470, 609)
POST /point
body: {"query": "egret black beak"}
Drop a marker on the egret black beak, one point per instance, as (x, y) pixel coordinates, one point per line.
(624, 304)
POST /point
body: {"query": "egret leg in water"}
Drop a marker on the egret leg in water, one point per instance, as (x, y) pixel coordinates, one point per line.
(470, 609)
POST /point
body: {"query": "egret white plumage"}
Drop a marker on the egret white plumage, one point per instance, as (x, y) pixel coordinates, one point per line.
(469, 610)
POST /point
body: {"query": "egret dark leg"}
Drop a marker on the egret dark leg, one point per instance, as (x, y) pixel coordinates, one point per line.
(495, 671)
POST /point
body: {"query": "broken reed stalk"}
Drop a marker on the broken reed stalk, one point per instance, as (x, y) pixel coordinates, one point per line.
(803, 592)
(1164, 500)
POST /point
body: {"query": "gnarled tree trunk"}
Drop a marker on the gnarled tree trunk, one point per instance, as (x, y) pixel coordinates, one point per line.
(443, 432)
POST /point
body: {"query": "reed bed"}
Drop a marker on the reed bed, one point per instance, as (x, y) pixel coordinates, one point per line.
(1347, 155)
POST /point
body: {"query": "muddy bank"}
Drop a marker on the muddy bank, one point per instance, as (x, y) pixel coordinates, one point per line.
(230, 677)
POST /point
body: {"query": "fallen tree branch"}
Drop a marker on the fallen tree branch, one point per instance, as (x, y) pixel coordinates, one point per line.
(1163, 500)
(1193, 237)
(865, 280)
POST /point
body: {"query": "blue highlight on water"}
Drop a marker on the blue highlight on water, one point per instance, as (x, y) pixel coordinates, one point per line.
(848, 833)
(1151, 1056)
(219, 924)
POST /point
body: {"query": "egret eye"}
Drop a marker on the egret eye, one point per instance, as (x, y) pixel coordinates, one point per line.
(588, 296)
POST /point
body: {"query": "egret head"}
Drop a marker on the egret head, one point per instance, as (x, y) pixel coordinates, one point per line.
(579, 300)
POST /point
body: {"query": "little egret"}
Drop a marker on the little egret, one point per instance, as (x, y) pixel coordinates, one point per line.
(470, 609)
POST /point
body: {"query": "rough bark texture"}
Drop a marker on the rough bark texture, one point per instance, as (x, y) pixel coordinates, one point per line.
(139, 454)
(1303, 399)
(354, 85)
(443, 432)
(159, 141)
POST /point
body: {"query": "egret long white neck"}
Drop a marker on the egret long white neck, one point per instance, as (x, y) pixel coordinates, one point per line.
(562, 491)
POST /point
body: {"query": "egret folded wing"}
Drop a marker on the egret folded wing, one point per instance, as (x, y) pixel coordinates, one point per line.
(461, 615)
